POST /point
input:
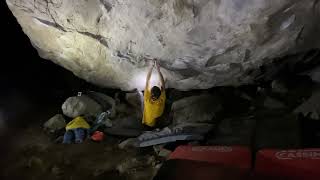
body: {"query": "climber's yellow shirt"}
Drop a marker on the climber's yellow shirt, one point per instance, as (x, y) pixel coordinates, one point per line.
(78, 122)
(153, 109)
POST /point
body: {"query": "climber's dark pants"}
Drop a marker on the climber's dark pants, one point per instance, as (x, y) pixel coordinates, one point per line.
(77, 135)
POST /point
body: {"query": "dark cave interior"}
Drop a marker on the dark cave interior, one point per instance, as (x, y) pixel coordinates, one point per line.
(33, 89)
(28, 80)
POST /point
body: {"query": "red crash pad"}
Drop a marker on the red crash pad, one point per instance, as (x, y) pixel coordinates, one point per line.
(228, 156)
(177, 169)
(289, 164)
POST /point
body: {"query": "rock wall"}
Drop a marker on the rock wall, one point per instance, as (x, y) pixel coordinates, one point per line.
(199, 43)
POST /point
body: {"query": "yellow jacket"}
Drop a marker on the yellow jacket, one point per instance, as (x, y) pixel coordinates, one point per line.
(153, 109)
(78, 122)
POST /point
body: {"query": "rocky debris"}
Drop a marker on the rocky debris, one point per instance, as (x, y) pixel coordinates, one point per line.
(35, 162)
(199, 44)
(195, 109)
(158, 166)
(55, 123)
(80, 105)
(148, 174)
(161, 151)
(272, 103)
(132, 165)
(56, 171)
(315, 74)
(164, 153)
(234, 131)
(310, 107)
(246, 96)
(278, 86)
(58, 139)
(277, 130)
(307, 64)
(128, 143)
(261, 91)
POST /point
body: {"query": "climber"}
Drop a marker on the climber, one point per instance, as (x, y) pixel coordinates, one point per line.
(154, 99)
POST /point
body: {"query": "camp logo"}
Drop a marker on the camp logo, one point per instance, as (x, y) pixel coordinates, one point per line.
(298, 154)
(212, 148)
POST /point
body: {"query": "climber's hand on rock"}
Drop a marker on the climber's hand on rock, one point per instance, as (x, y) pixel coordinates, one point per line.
(157, 64)
(154, 63)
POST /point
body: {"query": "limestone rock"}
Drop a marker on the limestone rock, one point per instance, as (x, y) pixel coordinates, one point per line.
(128, 143)
(278, 86)
(56, 171)
(195, 109)
(315, 74)
(129, 122)
(234, 131)
(311, 106)
(272, 103)
(134, 163)
(80, 105)
(135, 99)
(161, 151)
(55, 123)
(107, 102)
(199, 43)
(35, 162)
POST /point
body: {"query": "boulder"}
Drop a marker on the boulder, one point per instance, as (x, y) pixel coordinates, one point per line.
(272, 103)
(139, 162)
(128, 143)
(311, 106)
(199, 43)
(315, 74)
(279, 86)
(55, 123)
(126, 126)
(56, 171)
(107, 102)
(135, 99)
(161, 151)
(37, 163)
(234, 131)
(195, 109)
(80, 105)
(124, 110)
(129, 122)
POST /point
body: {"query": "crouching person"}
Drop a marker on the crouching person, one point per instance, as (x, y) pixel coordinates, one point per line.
(77, 130)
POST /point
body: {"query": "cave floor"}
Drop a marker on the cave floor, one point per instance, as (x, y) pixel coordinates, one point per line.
(30, 153)
(33, 155)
